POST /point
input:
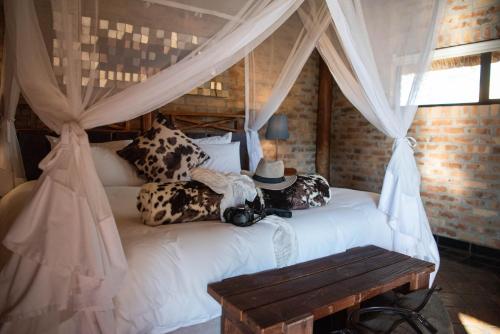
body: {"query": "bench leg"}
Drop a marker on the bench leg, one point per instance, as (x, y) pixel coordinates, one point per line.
(352, 309)
(230, 326)
(420, 281)
(302, 326)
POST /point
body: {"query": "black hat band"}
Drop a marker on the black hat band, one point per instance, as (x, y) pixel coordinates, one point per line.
(270, 180)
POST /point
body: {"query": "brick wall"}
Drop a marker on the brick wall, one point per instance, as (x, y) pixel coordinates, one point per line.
(468, 21)
(458, 150)
(458, 155)
(300, 106)
(459, 159)
(359, 152)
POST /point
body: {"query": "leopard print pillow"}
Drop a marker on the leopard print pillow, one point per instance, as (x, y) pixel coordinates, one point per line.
(163, 153)
(308, 191)
(177, 202)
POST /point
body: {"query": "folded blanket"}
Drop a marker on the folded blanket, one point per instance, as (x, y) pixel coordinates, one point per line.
(285, 241)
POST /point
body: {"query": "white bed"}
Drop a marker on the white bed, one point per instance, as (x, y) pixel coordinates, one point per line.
(171, 265)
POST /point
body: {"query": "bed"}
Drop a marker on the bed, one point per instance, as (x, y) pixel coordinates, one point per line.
(171, 265)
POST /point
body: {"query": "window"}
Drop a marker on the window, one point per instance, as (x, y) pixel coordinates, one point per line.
(495, 76)
(471, 79)
(452, 80)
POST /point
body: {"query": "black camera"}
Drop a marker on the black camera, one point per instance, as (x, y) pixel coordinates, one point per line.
(245, 216)
(241, 216)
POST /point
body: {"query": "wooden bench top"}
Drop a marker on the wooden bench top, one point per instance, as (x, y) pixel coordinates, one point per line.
(276, 301)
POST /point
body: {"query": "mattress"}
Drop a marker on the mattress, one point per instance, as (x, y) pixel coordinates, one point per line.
(171, 265)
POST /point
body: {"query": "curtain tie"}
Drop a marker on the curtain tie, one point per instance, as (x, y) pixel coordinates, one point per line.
(71, 130)
(73, 136)
(7, 123)
(410, 141)
(8, 119)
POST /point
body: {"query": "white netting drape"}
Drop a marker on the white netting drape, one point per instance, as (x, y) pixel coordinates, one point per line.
(386, 41)
(82, 64)
(273, 67)
(371, 48)
(11, 164)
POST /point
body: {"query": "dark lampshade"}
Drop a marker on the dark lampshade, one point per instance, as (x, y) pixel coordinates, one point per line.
(277, 128)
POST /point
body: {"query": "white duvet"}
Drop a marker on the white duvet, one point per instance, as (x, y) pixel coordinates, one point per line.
(171, 265)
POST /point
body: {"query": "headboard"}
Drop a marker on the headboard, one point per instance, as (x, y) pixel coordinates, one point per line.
(34, 145)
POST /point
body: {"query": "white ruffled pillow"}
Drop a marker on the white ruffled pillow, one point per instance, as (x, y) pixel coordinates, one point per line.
(111, 169)
(225, 139)
(224, 158)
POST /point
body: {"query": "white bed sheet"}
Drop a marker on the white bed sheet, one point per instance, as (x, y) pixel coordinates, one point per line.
(171, 265)
(351, 219)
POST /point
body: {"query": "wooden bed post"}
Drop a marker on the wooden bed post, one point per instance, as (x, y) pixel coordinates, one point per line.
(146, 121)
(325, 92)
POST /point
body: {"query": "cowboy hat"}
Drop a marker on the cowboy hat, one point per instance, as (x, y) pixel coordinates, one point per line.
(270, 175)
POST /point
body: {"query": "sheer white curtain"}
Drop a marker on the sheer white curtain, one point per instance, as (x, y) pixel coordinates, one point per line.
(370, 77)
(273, 67)
(67, 260)
(385, 40)
(11, 163)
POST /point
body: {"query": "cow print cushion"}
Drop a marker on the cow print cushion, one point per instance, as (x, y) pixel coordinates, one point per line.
(177, 202)
(163, 153)
(308, 191)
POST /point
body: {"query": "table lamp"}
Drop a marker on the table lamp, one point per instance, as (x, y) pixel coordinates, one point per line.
(277, 129)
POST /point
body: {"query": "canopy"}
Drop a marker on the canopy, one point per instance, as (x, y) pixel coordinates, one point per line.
(82, 64)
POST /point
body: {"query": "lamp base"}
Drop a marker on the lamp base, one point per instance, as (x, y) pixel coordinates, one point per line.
(276, 151)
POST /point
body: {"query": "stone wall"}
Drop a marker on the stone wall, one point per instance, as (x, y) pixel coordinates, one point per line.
(458, 150)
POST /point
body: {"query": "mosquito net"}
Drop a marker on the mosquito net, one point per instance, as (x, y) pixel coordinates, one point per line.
(273, 67)
(86, 63)
(83, 64)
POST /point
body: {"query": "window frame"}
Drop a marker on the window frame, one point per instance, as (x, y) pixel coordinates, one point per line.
(484, 85)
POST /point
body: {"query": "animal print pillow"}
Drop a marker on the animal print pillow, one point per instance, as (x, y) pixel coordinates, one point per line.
(163, 153)
(308, 191)
(177, 202)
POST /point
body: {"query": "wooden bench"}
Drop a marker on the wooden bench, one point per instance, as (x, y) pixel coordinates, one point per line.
(288, 300)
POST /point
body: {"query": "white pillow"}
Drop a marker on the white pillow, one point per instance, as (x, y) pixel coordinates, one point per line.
(111, 168)
(224, 158)
(225, 139)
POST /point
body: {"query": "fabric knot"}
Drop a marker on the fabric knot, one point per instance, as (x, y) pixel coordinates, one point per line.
(73, 138)
(10, 119)
(7, 124)
(410, 141)
(71, 129)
